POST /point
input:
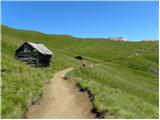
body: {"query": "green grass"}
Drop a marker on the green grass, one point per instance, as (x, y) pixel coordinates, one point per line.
(124, 83)
(120, 91)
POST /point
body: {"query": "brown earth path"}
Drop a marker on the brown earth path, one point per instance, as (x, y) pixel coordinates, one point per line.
(62, 99)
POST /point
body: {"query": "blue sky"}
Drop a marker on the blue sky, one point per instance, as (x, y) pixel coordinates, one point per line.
(136, 20)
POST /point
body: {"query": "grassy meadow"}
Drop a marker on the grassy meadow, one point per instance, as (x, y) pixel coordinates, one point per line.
(124, 78)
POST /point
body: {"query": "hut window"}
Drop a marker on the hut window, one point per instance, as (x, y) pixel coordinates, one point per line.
(26, 48)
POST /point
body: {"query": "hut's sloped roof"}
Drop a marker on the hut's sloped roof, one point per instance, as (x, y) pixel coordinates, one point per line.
(41, 48)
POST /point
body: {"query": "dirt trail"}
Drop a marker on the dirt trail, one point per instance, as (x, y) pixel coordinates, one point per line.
(62, 99)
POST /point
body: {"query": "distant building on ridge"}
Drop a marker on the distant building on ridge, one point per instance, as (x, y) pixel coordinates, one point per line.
(118, 39)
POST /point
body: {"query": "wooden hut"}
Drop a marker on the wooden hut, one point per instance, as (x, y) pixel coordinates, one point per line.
(35, 54)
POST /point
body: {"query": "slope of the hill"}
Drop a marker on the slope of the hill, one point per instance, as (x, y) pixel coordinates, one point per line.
(117, 89)
(120, 92)
(125, 53)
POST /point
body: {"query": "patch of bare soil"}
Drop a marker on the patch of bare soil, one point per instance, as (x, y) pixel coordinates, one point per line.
(62, 99)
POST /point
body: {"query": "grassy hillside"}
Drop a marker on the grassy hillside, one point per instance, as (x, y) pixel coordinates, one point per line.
(124, 79)
(120, 92)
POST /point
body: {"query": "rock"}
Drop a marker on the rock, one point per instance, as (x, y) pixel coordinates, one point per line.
(154, 69)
